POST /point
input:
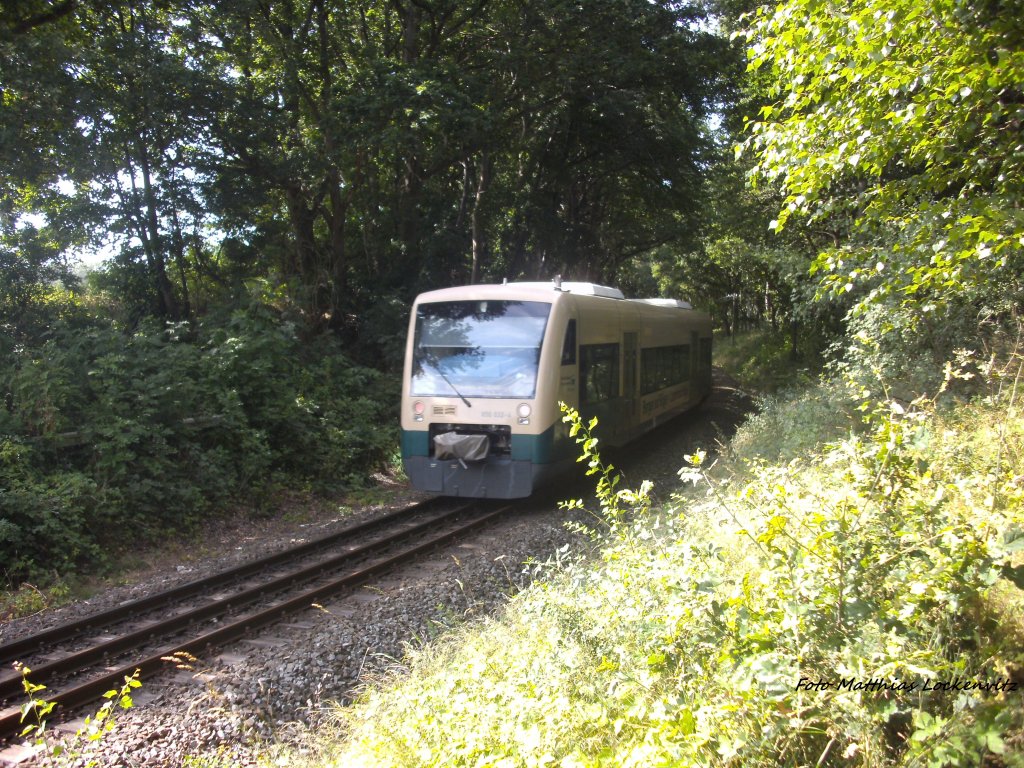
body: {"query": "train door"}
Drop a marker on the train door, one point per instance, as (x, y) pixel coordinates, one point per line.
(568, 387)
(695, 376)
(564, 447)
(629, 379)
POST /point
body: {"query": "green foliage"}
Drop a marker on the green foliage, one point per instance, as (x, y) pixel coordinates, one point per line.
(79, 748)
(29, 599)
(44, 517)
(747, 276)
(795, 422)
(350, 153)
(613, 502)
(154, 431)
(895, 124)
(761, 360)
(322, 416)
(31, 276)
(878, 556)
(907, 349)
(740, 273)
(828, 610)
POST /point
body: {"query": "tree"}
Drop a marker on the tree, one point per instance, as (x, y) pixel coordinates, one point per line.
(399, 146)
(905, 118)
(19, 17)
(743, 273)
(613, 103)
(338, 132)
(105, 115)
(36, 138)
(352, 151)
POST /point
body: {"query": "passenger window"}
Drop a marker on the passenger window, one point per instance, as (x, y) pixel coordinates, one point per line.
(569, 345)
(599, 373)
(662, 367)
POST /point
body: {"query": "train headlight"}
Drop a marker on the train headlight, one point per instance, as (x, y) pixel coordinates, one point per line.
(524, 411)
(417, 410)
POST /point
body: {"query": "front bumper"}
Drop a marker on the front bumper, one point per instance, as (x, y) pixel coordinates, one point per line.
(495, 478)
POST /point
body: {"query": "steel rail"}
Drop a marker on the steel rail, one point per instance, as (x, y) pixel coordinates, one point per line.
(17, 649)
(10, 683)
(11, 719)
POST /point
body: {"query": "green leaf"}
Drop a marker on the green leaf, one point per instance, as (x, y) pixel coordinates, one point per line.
(994, 743)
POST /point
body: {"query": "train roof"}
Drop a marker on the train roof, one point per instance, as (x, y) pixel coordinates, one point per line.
(540, 291)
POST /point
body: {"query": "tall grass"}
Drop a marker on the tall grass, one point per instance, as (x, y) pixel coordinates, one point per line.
(855, 605)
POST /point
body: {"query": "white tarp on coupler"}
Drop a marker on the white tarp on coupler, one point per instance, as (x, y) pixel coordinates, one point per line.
(451, 445)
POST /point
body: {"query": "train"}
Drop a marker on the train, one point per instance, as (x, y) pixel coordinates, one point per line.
(487, 365)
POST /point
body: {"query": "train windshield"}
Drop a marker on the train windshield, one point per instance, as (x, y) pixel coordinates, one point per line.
(478, 348)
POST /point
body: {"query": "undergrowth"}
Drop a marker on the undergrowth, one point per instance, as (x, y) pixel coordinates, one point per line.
(159, 430)
(28, 599)
(857, 605)
(762, 360)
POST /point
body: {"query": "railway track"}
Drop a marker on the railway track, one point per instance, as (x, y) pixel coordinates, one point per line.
(81, 660)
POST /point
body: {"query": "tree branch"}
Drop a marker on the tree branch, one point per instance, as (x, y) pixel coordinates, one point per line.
(59, 11)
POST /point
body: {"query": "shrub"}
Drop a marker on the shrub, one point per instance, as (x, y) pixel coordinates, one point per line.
(112, 440)
(831, 611)
(873, 561)
(324, 418)
(44, 516)
(794, 423)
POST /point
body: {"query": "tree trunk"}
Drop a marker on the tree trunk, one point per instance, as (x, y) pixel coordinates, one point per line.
(482, 182)
(303, 258)
(338, 256)
(152, 242)
(178, 249)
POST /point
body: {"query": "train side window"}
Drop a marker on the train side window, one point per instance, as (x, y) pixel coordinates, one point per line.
(599, 373)
(662, 367)
(569, 345)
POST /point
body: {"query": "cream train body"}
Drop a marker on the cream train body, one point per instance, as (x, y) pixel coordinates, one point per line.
(486, 366)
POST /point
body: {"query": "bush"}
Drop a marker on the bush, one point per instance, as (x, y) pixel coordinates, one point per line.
(832, 610)
(763, 360)
(113, 440)
(323, 417)
(795, 423)
(44, 516)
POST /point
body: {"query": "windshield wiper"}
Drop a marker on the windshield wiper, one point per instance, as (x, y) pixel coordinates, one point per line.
(436, 365)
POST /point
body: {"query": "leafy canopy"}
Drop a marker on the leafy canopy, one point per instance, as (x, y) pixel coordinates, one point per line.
(905, 116)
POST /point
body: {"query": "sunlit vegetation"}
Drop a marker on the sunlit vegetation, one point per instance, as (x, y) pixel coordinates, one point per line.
(852, 606)
(762, 360)
(841, 186)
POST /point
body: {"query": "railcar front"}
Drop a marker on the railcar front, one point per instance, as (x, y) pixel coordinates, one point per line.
(481, 374)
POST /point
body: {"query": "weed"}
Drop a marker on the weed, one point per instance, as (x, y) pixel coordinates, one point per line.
(839, 607)
(28, 599)
(76, 749)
